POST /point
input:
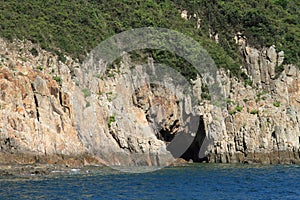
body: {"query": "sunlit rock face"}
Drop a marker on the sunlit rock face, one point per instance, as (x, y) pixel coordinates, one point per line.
(51, 111)
(262, 120)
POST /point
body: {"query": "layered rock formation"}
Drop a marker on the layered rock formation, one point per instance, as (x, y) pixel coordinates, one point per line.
(262, 122)
(54, 111)
(36, 114)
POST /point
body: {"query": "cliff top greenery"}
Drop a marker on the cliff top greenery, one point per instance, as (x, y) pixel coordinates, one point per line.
(77, 26)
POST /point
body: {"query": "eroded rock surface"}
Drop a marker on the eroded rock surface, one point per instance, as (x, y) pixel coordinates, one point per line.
(262, 122)
(54, 112)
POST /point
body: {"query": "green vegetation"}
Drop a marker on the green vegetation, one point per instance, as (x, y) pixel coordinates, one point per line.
(111, 119)
(246, 78)
(205, 92)
(254, 112)
(58, 79)
(88, 104)
(40, 68)
(239, 108)
(109, 96)
(75, 27)
(261, 95)
(264, 23)
(232, 112)
(229, 101)
(86, 92)
(276, 103)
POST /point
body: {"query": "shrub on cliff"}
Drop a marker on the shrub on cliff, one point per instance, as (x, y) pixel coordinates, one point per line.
(76, 27)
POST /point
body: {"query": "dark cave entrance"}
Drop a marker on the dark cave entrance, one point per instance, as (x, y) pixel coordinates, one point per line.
(193, 152)
(175, 143)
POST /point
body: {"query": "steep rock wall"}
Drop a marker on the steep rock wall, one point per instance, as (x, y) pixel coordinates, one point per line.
(51, 108)
(261, 122)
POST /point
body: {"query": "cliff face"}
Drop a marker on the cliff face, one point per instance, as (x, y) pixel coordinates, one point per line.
(53, 110)
(36, 114)
(261, 122)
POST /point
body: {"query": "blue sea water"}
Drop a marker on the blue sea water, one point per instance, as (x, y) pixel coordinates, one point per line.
(194, 181)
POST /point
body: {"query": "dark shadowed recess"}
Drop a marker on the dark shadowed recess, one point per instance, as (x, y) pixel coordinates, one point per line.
(192, 153)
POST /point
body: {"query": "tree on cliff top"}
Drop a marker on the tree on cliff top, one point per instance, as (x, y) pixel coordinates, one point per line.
(77, 26)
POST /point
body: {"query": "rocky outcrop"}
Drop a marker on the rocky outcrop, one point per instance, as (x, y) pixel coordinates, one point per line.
(262, 122)
(188, 16)
(35, 110)
(53, 111)
(50, 108)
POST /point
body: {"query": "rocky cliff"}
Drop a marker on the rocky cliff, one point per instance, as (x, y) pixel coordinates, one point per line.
(262, 121)
(59, 112)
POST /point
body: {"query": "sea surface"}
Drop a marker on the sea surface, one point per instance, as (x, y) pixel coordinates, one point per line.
(194, 181)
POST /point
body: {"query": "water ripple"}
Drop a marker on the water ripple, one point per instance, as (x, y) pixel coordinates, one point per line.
(195, 181)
